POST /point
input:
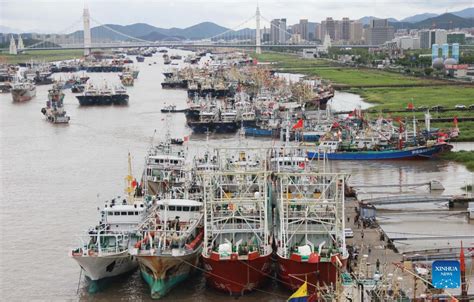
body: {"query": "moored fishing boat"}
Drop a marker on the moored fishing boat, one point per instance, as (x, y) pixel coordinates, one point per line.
(330, 150)
(171, 245)
(23, 91)
(127, 79)
(104, 251)
(237, 248)
(164, 167)
(309, 230)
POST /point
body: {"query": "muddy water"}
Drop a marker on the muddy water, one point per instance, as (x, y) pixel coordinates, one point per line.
(53, 178)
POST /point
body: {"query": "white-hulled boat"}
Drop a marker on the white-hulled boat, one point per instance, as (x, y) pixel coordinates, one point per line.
(23, 91)
(104, 251)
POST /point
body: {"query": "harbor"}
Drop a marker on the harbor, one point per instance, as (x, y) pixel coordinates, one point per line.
(90, 160)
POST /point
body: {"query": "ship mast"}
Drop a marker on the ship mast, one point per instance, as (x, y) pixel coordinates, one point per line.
(129, 189)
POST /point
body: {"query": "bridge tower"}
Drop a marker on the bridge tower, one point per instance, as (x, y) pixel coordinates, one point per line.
(87, 32)
(258, 49)
(13, 49)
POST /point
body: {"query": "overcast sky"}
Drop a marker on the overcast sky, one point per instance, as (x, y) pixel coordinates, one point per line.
(59, 16)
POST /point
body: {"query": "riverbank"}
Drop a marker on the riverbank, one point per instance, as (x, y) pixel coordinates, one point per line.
(464, 157)
(42, 56)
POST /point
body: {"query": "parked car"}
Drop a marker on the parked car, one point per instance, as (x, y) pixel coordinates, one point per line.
(460, 106)
(471, 107)
(348, 233)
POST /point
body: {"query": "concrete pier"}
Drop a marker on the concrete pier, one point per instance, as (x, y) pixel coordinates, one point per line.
(373, 243)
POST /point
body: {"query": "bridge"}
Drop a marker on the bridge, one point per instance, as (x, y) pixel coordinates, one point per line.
(247, 34)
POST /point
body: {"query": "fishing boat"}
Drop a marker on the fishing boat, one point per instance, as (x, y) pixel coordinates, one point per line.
(23, 91)
(237, 243)
(331, 150)
(104, 251)
(77, 88)
(171, 244)
(309, 229)
(120, 96)
(227, 122)
(127, 79)
(104, 96)
(54, 110)
(164, 167)
(172, 109)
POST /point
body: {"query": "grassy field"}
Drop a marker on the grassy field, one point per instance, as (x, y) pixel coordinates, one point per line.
(464, 157)
(398, 98)
(339, 75)
(41, 55)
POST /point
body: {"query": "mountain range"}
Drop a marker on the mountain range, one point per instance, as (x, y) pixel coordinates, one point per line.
(467, 13)
(459, 19)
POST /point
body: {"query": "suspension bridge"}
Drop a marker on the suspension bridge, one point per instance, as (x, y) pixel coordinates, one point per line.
(248, 34)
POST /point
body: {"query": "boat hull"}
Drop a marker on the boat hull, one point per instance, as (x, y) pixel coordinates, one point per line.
(119, 99)
(258, 132)
(23, 95)
(162, 273)
(293, 273)
(415, 153)
(237, 276)
(97, 268)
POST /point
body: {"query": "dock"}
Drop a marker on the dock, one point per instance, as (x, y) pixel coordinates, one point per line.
(374, 243)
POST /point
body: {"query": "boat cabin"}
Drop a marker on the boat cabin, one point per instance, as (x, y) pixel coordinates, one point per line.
(121, 216)
(183, 209)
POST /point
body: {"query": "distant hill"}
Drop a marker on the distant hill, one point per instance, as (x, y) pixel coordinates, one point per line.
(203, 30)
(418, 18)
(9, 30)
(445, 21)
(465, 13)
(366, 20)
(156, 36)
(142, 30)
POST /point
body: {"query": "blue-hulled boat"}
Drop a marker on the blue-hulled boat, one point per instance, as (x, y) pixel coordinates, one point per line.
(329, 150)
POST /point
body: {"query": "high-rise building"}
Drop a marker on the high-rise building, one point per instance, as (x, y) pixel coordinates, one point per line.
(430, 37)
(379, 32)
(328, 26)
(457, 37)
(345, 29)
(274, 31)
(283, 36)
(303, 29)
(317, 32)
(356, 32)
(278, 31)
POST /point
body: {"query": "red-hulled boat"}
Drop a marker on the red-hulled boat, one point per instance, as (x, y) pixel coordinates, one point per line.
(310, 229)
(237, 241)
(237, 274)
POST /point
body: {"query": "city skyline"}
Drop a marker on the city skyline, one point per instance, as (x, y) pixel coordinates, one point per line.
(35, 16)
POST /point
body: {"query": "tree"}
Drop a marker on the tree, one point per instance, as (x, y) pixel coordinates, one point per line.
(428, 71)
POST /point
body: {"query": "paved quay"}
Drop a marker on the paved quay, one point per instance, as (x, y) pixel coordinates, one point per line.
(371, 249)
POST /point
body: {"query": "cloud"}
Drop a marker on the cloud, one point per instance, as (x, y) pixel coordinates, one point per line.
(56, 16)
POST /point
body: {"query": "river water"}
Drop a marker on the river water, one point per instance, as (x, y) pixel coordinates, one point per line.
(53, 178)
